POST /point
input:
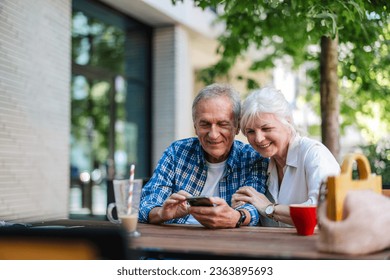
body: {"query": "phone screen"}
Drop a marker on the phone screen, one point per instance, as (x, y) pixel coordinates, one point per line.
(199, 201)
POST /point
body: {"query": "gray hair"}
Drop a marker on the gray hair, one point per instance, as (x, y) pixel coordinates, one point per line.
(267, 100)
(218, 90)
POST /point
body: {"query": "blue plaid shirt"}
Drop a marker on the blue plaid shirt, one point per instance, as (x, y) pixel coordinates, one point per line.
(183, 167)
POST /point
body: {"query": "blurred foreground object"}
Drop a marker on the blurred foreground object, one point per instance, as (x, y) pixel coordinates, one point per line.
(338, 186)
(63, 243)
(364, 227)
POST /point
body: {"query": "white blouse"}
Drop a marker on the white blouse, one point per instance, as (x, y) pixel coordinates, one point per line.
(308, 164)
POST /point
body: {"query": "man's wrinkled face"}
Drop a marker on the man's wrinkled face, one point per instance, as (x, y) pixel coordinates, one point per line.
(215, 127)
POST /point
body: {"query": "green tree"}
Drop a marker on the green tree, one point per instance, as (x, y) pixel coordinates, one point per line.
(353, 39)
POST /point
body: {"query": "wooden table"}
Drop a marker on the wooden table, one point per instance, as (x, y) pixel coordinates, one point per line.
(197, 242)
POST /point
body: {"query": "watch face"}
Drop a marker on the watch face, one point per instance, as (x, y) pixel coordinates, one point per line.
(269, 210)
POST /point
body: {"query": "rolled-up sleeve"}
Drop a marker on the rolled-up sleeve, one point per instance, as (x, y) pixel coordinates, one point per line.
(159, 187)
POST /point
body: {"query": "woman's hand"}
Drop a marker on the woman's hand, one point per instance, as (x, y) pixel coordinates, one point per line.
(250, 195)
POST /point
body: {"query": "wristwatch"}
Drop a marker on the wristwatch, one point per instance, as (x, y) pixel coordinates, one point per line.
(241, 219)
(270, 210)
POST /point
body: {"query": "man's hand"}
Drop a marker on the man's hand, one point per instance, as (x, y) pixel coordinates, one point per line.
(174, 207)
(219, 216)
(365, 226)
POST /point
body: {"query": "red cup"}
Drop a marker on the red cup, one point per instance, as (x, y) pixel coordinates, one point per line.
(304, 218)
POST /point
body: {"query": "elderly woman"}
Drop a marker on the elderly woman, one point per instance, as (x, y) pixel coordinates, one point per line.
(298, 165)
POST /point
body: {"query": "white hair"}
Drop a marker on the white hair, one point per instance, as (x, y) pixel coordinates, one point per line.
(266, 100)
(218, 90)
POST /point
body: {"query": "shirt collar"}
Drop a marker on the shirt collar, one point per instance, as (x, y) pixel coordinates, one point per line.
(230, 162)
(293, 152)
(233, 156)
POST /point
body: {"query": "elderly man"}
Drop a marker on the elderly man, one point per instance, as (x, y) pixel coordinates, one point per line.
(212, 164)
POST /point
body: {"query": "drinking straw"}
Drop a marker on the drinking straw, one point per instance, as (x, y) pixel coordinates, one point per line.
(131, 182)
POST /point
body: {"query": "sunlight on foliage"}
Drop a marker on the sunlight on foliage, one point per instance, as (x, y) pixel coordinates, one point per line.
(378, 155)
(370, 119)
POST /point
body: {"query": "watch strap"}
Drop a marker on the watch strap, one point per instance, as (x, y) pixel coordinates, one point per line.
(241, 219)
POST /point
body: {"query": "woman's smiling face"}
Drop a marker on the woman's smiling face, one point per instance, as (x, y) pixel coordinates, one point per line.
(268, 135)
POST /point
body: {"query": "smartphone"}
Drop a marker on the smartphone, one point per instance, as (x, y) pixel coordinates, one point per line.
(199, 201)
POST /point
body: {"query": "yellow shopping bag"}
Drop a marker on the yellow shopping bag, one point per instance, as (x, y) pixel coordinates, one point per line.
(338, 186)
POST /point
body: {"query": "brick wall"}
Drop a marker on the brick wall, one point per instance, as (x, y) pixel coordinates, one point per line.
(34, 109)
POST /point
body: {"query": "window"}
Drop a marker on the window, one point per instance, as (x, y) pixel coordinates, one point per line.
(110, 125)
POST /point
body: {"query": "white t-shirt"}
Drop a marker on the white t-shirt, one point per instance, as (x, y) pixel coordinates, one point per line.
(308, 164)
(215, 171)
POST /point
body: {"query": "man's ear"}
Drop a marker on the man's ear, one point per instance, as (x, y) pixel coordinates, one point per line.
(196, 132)
(238, 129)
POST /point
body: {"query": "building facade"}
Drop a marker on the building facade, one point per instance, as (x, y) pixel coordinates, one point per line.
(164, 46)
